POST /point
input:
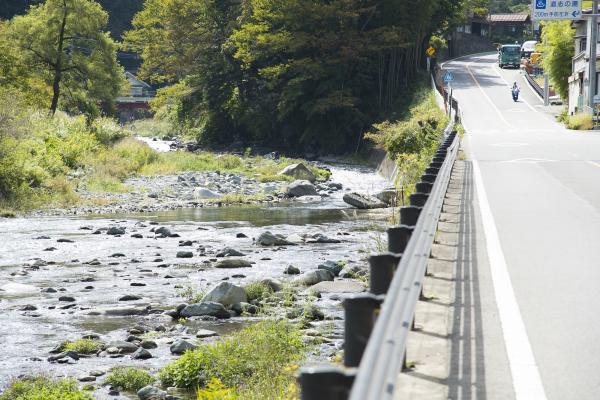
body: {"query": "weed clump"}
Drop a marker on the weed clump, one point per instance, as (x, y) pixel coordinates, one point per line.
(580, 122)
(255, 361)
(42, 388)
(130, 379)
(83, 346)
(258, 291)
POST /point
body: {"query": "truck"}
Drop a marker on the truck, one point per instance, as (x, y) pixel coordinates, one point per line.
(509, 54)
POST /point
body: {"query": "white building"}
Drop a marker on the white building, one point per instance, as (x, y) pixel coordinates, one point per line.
(579, 79)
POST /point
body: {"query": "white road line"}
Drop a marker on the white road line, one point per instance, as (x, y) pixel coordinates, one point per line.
(526, 378)
(488, 98)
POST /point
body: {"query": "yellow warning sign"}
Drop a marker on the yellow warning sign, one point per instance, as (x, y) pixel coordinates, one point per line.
(430, 51)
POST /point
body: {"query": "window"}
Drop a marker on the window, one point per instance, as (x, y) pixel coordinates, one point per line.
(582, 44)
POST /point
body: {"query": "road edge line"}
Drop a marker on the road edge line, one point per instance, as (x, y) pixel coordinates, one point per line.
(526, 378)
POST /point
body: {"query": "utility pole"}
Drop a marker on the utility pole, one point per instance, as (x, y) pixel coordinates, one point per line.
(593, 44)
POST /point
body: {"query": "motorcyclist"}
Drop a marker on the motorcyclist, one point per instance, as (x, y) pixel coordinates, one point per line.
(515, 91)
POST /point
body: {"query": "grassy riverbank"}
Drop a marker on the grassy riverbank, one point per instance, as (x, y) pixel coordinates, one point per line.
(412, 134)
(44, 159)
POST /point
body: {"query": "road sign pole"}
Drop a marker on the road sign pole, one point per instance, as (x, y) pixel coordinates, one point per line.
(546, 90)
(593, 41)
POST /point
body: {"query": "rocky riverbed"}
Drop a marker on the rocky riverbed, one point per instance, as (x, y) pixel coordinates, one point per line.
(123, 274)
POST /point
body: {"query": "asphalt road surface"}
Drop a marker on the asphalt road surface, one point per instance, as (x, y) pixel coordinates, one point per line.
(536, 244)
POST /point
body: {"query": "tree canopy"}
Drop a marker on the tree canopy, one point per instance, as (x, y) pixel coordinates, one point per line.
(63, 43)
(294, 72)
(557, 45)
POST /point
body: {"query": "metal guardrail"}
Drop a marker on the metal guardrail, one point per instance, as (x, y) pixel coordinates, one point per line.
(377, 323)
(538, 89)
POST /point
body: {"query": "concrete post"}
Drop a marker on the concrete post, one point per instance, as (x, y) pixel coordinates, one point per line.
(360, 317)
(398, 237)
(382, 268)
(326, 382)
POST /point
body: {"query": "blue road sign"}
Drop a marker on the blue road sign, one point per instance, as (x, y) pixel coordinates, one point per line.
(448, 77)
(556, 9)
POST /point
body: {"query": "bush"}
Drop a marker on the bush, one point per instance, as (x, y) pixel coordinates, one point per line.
(107, 131)
(130, 379)
(83, 346)
(41, 388)
(258, 291)
(580, 122)
(255, 356)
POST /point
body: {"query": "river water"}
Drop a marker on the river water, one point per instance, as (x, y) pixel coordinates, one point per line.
(96, 269)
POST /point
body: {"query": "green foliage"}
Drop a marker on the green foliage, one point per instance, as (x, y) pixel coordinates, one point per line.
(557, 46)
(255, 356)
(62, 43)
(131, 379)
(41, 388)
(83, 346)
(580, 122)
(413, 139)
(215, 390)
(258, 291)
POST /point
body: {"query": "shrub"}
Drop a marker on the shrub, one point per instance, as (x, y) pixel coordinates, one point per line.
(258, 291)
(580, 122)
(256, 353)
(83, 346)
(42, 388)
(130, 379)
(107, 131)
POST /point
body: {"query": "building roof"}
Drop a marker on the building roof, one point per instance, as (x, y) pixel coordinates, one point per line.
(509, 18)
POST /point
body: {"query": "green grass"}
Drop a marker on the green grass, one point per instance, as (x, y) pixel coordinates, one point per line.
(257, 362)
(580, 122)
(83, 346)
(42, 388)
(258, 291)
(151, 127)
(130, 379)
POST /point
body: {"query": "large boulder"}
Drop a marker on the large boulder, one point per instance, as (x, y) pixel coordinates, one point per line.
(233, 263)
(181, 346)
(209, 308)
(314, 277)
(204, 193)
(226, 293)
(363, 201)
(151, 393)
(301, 188)
(298, 171)
(388, 196)
(269, 239)
(331, 266)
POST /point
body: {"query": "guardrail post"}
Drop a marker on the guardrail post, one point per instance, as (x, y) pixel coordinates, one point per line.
(436, 164)
(432, 170)
(428, 178)
(438, 159)
(418, 199)
(382, 267)
(424, 187)
(359, 320)
(410, 215)
(326, 382)
(398, 237)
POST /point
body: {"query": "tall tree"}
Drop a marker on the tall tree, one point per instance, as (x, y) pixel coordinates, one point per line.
(63, 41)
(557, 46)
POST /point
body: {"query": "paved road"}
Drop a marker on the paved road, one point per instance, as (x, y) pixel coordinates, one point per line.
(543, 195)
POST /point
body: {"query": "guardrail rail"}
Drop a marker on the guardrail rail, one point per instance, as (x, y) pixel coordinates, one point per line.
(378, 322)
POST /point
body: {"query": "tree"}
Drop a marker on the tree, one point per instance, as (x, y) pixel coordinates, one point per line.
(63, 42)
(557, 47)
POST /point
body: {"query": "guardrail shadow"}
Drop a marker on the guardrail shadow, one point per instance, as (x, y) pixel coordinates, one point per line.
(467, 367)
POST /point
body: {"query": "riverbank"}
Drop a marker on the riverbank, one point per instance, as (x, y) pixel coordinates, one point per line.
(121, 277)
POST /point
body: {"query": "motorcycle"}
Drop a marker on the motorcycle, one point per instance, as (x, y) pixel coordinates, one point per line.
(515, 94)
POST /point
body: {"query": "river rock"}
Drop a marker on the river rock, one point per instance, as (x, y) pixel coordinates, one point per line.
(204, 193)
(331, 266)
(115, 230)
(181, 346)
(389, 196)
(273, 284)
(148, 344)
(313, 277)
(70, 354)
(210, 308)
(269, 239)
(229, 252)
(298, 171)
(226, 293)
(338, 287)
(66, 298)
(184, 254)
(129, 297)
(233, 263)
(151, 393)
(163, 232)
(141, 354)
(204, 333)
(122, 347)
(320, 238)
(363, 201)
(240, 308)
(301, 188)
(291, 270)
